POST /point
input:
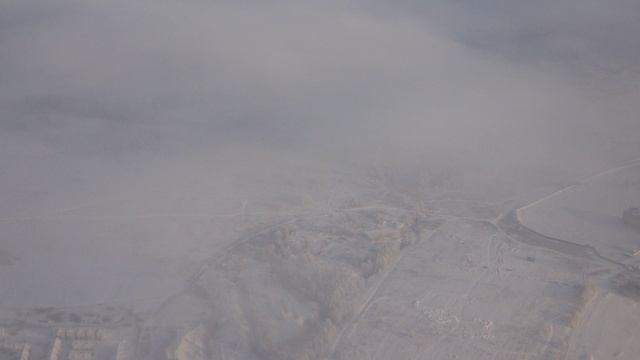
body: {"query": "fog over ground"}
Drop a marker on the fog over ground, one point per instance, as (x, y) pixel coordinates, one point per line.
(90, 88)
(318, 180)
(163, 106)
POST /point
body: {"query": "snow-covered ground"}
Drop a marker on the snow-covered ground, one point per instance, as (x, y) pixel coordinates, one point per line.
(372, 273)
(590, 213)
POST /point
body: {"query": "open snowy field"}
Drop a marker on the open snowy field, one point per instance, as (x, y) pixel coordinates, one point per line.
(319, 180)
(372, 275)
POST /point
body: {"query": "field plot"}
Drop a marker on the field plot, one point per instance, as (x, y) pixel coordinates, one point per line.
(590, 213)
(471, 292)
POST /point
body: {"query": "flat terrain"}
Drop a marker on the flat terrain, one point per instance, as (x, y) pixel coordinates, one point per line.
(371, 275)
